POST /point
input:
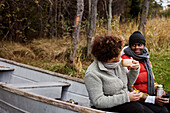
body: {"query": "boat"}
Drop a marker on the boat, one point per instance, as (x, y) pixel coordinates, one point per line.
(28, 89)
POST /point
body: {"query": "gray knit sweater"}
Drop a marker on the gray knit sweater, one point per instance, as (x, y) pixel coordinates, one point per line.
(106, 89)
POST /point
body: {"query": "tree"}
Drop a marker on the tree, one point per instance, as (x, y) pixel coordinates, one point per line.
(143, 16)
(88, 28)
(135, 8)
(80, 9)
(92, 25)
(154, 9)
(110, 17)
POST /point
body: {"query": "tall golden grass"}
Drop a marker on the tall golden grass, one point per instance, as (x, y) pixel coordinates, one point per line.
(57, 50)
(157, 32)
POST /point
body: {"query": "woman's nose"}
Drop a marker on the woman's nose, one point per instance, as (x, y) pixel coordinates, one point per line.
(137, 46)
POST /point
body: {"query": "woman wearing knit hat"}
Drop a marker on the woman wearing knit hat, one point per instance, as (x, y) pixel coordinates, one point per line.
(145, 83)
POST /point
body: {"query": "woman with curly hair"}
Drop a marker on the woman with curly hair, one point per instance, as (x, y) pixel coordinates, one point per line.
(107, 80)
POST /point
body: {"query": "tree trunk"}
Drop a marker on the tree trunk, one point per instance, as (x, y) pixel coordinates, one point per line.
(55, 20)
(40, 20)
(88, 26)
(105, 7)
(80, 9)
(50, 19)
(110, 17)
(143, 17)
(92, 26)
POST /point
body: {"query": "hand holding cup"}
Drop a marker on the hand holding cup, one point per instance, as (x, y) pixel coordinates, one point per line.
(130, 63)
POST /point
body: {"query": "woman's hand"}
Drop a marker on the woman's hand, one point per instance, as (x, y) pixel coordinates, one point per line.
(135, 64)
(164, 93)
(161, 101)
(133, 96)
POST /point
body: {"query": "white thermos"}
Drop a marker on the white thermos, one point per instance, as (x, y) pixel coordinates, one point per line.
(159, 90)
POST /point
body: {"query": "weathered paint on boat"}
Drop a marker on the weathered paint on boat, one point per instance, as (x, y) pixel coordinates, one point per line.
(26, 88)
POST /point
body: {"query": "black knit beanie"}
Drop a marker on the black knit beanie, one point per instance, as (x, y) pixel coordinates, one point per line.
(136, 37)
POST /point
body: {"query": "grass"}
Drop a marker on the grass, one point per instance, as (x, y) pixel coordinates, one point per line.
(161, 64)
(53, 54)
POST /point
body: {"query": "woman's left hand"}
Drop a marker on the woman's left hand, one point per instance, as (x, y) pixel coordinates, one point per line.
(161, 101)
(135, 64)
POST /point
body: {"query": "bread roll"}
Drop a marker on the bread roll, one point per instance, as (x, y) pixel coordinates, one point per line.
(126, 62)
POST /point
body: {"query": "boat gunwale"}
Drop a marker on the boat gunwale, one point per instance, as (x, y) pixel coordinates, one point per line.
(42, 70)
(58, 103)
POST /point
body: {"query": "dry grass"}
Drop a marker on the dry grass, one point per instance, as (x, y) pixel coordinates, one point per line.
(11, 50)
(52, 54)
(50, 48)
(158, 34)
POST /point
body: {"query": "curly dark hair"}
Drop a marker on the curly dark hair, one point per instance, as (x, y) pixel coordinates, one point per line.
(105, 48)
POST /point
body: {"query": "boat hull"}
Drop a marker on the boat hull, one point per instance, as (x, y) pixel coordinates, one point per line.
(36, 100)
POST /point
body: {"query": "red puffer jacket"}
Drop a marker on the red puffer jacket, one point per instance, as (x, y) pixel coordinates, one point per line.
(141, 83)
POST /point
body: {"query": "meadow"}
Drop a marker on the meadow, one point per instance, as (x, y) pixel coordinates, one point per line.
(53, 54)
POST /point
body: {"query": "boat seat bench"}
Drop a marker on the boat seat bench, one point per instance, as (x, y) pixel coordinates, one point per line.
(3, 68)
(48, 89)
(5, 74)
(39, 85)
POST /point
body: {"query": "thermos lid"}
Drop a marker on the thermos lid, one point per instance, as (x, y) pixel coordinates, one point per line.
(159, 86)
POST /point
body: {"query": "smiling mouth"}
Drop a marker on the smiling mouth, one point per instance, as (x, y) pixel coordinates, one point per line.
(137, 51)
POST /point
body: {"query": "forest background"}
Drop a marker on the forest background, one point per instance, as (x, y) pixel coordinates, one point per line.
(56, 34)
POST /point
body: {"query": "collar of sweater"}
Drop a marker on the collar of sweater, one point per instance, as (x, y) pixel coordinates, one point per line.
(102, 66)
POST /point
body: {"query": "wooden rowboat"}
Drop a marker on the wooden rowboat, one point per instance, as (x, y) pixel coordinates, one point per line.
(28, 89)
